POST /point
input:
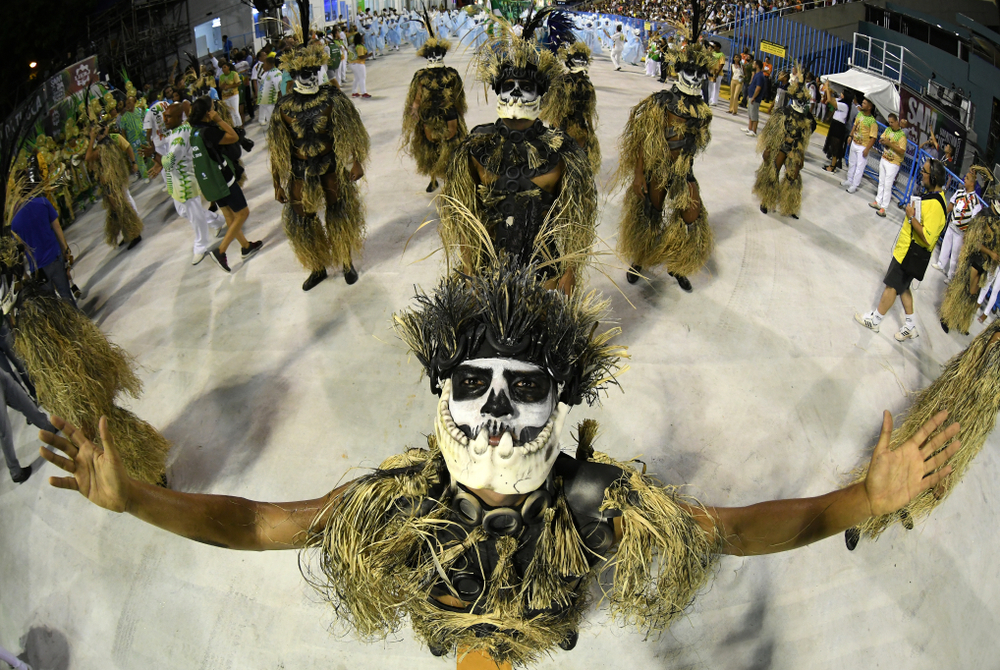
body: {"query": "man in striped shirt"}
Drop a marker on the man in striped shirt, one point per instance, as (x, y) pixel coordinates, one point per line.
(964, 206)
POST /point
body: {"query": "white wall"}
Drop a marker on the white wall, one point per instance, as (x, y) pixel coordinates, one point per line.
(236, 19)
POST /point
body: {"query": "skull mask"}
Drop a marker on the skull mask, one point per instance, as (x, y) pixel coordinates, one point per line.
(498, 424)
(689, 81)
(578, 64)
(306, 80)
(519, 99)
(800, 106)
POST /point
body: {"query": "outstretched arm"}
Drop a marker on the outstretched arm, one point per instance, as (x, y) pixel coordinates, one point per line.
(221, 521)
(895, 477)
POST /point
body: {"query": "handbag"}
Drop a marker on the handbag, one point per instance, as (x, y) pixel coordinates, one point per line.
(917, 257)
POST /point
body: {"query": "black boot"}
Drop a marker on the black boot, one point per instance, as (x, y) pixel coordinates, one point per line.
(314, 279)
(944, 326)
(851, 538)
(350, 274)
(432, 186)
(20, 475)
(136, 240)
(682, 281)
(162, 482)
(763, 209)
(906, 519)
(437, 649)
(570, 641)
(633, 274)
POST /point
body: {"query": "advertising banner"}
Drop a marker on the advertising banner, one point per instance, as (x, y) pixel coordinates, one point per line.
(927, 119)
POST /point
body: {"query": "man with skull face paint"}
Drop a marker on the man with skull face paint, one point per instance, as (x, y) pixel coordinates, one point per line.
(663, 135)
(571, 104)
(783, 142)
(434, 113)
(490, 539)
(317, 146)
(531, 187)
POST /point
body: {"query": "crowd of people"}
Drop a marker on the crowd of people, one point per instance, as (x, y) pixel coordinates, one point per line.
(719, 15)
(509, 343)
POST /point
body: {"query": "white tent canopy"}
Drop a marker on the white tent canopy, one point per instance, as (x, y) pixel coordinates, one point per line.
(882, 92)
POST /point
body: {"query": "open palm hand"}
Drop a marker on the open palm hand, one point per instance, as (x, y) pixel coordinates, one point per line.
(97, 473)
(897, 476)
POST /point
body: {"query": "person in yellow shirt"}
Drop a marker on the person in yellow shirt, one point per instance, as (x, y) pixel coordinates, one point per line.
(893, 151)
(925, 220)
(863, 135)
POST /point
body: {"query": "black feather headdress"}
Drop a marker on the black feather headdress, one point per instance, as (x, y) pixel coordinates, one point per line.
(507, 312)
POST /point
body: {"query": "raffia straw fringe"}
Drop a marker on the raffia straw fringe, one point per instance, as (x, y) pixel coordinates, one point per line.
(309, 239)
(969, 388)
(959, 306)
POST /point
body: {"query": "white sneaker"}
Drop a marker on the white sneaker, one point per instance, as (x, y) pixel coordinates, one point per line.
(938, 267)
(221, 232)
(853, 189)
(751, 134)
(906, 333)
(866, 321)
(198, 257)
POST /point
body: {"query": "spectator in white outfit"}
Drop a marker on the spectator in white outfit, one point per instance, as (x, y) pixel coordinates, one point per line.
(893, 151)
(270, 90)
(863, 136)
(965, 204)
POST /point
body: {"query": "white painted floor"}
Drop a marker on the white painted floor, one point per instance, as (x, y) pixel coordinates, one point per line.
(757, 385)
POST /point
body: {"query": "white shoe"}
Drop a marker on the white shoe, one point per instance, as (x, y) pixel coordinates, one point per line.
(906, 333)
(751, 134)
(938, 267)
(198, 257)
(866, 321)
(221, 232)
(853, 189)
(845, 183)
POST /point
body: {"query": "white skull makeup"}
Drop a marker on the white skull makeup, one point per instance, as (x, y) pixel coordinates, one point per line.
(8, 292)
(498, 425)
(307, 80)
(435, 59)
(576, 65)
(800, 106)
(689, 82)
(519, 99)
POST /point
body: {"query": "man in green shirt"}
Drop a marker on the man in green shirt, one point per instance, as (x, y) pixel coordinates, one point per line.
(893, 151)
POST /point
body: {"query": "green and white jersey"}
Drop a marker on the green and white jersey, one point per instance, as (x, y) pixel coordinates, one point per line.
(270, 87)
(178, 163)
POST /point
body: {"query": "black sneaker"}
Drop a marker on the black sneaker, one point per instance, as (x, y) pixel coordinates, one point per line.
(76, 291)
(20, 475)
(682, 281)
(569, 642)
(251, 250)
(313, 280)
(350, 274)
(763, 209)
(213, 207)
(136, 240)
(432, 186)
(794, 216)
(220, 259)
(851, 538)
(633, 274)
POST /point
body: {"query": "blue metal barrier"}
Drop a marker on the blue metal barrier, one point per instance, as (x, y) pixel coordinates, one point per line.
(818, 51)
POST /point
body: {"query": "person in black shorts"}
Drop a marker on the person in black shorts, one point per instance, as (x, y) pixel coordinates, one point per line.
(220, 140)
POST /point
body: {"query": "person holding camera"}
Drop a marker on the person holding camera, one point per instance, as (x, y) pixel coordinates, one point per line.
(925, 220)
(216, 152)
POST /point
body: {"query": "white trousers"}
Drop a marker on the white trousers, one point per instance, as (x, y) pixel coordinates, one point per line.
(264, 113)
(131, 201)
(857, 169)
(616, 57)
(359, 78)
(234, 107)
(951, 247)
(342, 72)
(713, 91)
(887, 172)
(12, 660)
(993, 288)
(201, 220)
(652, 68)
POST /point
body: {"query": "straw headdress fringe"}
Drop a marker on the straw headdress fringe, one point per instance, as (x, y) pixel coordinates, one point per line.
(122, 219)
(959, 306)
(310, 240)
(969, 388)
